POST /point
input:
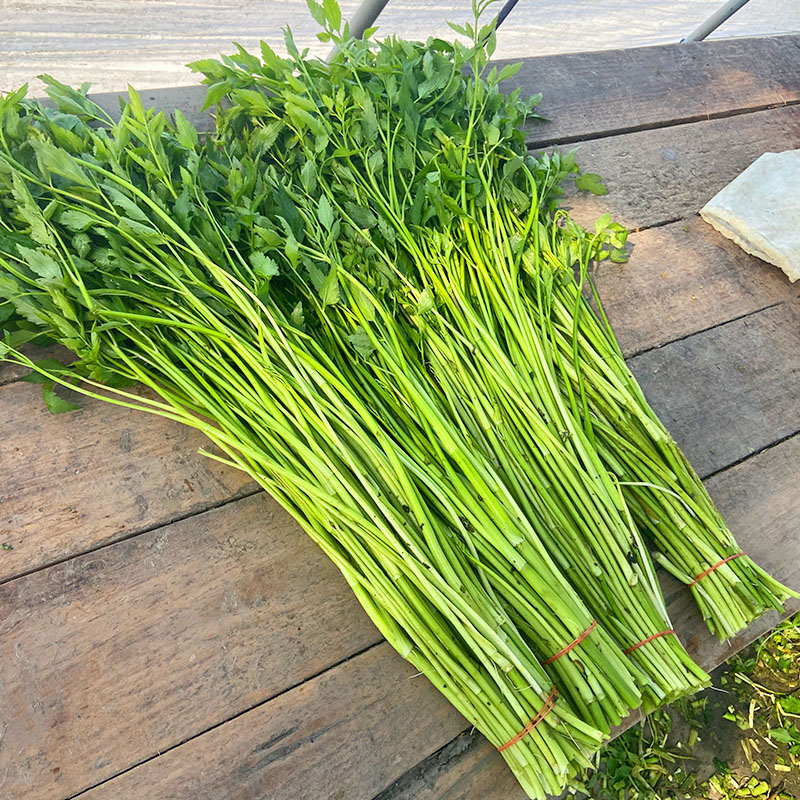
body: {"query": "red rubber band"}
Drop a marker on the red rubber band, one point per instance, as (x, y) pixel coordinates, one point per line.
(648, 639)
(546, 709)
(711, 569)
(572, 644)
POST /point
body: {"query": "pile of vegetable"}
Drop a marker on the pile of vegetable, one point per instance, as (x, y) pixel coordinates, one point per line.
(362, 290)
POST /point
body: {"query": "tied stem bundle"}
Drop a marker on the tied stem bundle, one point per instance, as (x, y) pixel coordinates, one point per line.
(362, 291)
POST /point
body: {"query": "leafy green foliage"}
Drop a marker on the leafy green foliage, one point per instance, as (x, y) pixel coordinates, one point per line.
(362, 290)
(591, 182)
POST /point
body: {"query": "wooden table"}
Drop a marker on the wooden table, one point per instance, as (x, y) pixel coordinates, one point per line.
(166, 631)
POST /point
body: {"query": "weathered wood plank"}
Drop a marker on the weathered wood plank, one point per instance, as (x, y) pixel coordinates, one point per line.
(664, 174)
(728, 392)
(683, 278)
(585, 94)
(343, 736)
(355, 725)
(760, 501)
(74, 481)
(112, 657)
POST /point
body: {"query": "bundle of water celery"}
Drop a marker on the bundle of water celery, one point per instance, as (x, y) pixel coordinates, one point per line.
(362, 290)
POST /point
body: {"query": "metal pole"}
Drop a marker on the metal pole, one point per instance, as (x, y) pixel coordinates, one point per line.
(504, 12)
(365, 16)
(369, 10)
(715, 20)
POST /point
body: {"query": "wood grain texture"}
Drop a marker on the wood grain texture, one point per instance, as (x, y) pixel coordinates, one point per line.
(341, 736)
(682, 278)
(112, 657)
(664, 174)
(310, 748)
(585, 94)
(728, 392)
(74, 481)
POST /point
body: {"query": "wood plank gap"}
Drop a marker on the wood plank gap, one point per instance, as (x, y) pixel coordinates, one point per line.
(752, 313)
(661, 223)
(242, 495)
(438, 760)
(232, 717)
(755, 453)
(538, 144)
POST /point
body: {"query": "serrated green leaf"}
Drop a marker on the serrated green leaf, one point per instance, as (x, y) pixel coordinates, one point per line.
(509, 71)
(56, 404)
(362, 217)
(790, 704)
(264, 137)
(317, 12)
(308, 176)
(591, 182)
(54, 160)
(270, 237)
(361, 342)
(209, 67)
(135, 103)
(333, 13)
(325, 212)
(291, 249)
(618, 256)
(426, 302)
(75, 220)
(263, 265)
(781, 735)
(255, 102)
(140, 230)
(41, 264)
(123, 202)
(601, 223)
(430, 85)
(298, 317)
(216, 93)
(9, 288)
(185, 132)
(361, 298)
(329, 292)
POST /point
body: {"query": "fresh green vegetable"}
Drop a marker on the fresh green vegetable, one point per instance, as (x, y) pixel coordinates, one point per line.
(362, 291)
(145, 285)
(433, 168)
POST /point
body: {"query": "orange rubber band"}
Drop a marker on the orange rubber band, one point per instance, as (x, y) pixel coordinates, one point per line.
(572, 644)
(546, 709)
(648, 639)
(711, 569)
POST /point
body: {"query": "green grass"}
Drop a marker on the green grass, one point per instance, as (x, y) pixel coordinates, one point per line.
(750, 717)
